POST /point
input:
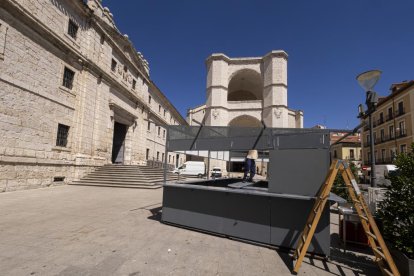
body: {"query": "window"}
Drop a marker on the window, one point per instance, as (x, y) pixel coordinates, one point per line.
(169, 158)
(391, 131)
(72, 29)
(375, 137)
(113, 65)
(389, 117)
(392, 153)
(149, 126)
(165, 112)
(335, 155)
(368, 139)
(147, 154)
(400, 108)
(381, 119)
(382, 132)
(369, 157)
(383, 155)
(401, 125)
(163, 134)
(62, 135)
(163, 155)
(351, 154)
(68, 76)
(158, 155)
(102, 39)
(159, 108)
(134, 84)
(403, 149)
(125, 69)
(149, 99)
(159, 131)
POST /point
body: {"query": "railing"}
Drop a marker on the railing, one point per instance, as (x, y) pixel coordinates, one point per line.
(401, 133)
(367, 144)
(159, 164)
(385, 160)
(389, 117)
(380, 121)
(399, 112)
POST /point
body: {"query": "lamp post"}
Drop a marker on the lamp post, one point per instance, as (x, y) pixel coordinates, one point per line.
(367, 80)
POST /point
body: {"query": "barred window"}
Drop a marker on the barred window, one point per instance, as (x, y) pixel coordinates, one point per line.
(68, 76)
(62, 135)
(113, 65)
(149, 99)
(134, 84)
(72, 29)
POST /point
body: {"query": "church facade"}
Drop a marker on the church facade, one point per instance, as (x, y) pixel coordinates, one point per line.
(247, 91)
(74, 95)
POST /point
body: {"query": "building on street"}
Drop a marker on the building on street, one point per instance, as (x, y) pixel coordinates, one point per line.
(393, 122)
(74, 95)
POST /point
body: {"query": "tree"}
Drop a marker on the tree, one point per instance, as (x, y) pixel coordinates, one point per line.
(339, 188)
(397, 210)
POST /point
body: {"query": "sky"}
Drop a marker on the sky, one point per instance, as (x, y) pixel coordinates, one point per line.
(329, 42)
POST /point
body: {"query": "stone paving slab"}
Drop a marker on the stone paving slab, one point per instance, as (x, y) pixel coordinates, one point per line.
(80, 230)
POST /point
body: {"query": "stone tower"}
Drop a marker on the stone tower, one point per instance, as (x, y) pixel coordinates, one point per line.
(245, 91)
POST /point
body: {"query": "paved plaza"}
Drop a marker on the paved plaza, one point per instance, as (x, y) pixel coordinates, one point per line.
(78, 230)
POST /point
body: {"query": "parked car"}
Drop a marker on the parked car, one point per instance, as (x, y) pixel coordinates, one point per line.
(216, 172)
(194, 168)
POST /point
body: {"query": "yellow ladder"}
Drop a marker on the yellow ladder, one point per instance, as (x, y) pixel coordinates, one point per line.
(375, 240)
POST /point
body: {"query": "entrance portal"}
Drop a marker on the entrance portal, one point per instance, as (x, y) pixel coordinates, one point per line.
(118, 145)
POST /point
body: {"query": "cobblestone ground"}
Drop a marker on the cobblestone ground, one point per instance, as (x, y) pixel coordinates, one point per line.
(73, 230)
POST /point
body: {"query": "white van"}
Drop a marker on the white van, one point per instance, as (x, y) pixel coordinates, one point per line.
(381, 173)
(195, 168)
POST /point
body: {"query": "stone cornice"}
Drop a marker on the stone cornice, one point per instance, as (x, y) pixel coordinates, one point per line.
(276, 85)
(217, 86)
(246, 60)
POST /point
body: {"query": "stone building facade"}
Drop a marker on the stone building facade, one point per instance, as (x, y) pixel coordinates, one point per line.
(74, 95)
(393, 122)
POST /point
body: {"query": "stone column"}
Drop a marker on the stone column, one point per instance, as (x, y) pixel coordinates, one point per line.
(275, 111)
(217, 86)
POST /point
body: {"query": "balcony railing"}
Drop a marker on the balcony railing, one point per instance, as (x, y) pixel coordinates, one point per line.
(389, 117)
(379, 161)
(401, 133)
(399, 112)
(380, 121)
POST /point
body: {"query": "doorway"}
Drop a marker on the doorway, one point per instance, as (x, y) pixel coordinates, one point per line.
(118, 145)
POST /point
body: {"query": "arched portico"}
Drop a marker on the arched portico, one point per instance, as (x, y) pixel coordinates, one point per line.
(245, 85)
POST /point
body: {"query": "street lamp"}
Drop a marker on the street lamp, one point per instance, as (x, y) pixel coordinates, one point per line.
(367, 80)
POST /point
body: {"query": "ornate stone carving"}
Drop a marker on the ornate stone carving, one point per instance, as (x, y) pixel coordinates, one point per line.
(216, 113)
(277, 112)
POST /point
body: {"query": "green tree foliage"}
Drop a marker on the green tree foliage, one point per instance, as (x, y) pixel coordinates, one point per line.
(397, 210)
(339, 187)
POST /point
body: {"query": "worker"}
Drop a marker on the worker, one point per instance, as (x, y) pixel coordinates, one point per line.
(250, 165)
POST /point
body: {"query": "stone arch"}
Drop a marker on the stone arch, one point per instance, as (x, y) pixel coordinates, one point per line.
(245, 85)
(245, 121)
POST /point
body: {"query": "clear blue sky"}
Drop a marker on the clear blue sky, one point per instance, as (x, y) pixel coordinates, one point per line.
(328, 42)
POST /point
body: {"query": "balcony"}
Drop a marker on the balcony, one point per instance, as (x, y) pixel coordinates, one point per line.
(399, 112)
(380, 161)
(389, 117)
(402, 133)
(380, 121)
(367, 144)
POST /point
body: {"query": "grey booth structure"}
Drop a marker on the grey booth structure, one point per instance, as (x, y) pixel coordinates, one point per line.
(271, 212)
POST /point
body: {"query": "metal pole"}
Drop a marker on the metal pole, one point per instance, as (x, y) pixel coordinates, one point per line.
(166, 156)
(371, 135)
(208, 166)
